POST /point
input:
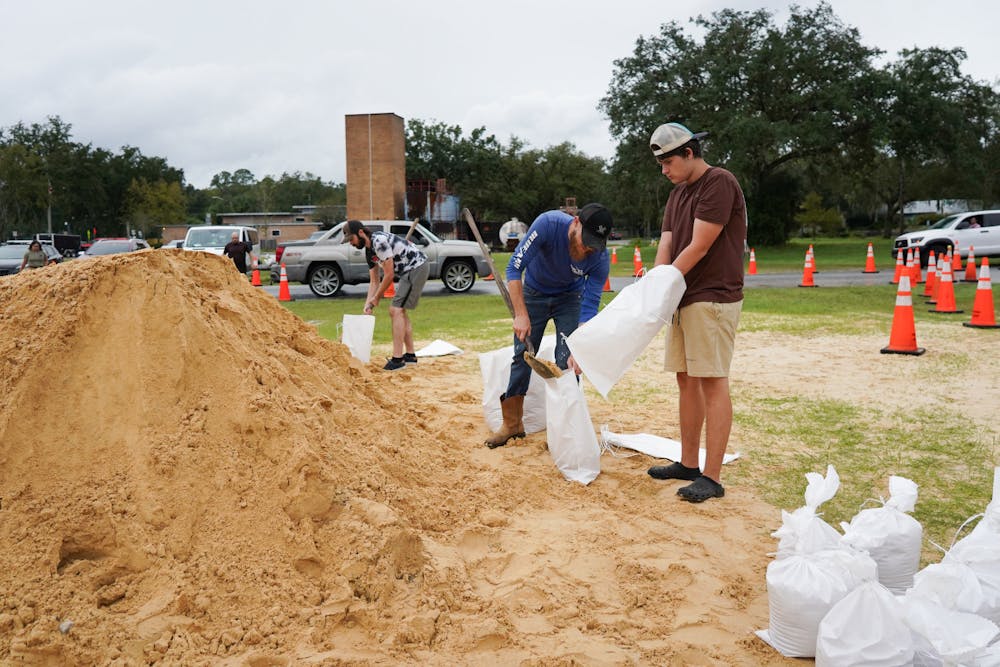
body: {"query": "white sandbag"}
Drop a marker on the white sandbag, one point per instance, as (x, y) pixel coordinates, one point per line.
(890, 535)
(952, 585)
(946, 637)
(802, 531)
(865, 629)
(356, 333)
(656, 446)
(570, 433)
(803, 588)
(438, 348)
(980, 550)
(607, 345)
(495, 369)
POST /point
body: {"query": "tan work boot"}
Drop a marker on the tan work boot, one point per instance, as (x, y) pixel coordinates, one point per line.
(512, 408)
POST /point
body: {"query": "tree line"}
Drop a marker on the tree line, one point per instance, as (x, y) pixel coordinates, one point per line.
(803, 113)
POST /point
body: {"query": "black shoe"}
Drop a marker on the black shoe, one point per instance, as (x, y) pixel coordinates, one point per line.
(394, 364)
(410, 358)
(701, 490)
(674, 471)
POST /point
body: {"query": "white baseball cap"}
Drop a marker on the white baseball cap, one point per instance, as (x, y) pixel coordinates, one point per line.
(670, 136)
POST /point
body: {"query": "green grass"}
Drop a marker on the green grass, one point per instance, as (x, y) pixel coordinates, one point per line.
(833, 254)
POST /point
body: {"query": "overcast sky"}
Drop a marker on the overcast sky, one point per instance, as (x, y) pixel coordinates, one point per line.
(221, 85)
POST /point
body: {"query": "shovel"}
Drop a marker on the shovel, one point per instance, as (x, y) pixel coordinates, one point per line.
(543, 368)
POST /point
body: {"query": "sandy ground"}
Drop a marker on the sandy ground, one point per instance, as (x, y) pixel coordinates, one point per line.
(191, 476)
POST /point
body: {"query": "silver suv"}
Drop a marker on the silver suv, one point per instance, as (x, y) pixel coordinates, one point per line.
(331, 263)
(980, 229)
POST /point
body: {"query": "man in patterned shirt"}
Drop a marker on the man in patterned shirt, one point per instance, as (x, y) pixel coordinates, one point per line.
(397, 257)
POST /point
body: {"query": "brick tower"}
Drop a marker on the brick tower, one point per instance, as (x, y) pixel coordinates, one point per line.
(376, 166)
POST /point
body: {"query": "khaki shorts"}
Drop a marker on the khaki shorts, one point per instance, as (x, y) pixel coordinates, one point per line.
(409, 287)
(700, 339)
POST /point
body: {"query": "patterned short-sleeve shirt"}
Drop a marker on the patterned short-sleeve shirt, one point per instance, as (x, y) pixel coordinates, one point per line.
(405, 255)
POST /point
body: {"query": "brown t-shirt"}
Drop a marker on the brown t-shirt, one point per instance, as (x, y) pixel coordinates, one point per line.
(716, 197)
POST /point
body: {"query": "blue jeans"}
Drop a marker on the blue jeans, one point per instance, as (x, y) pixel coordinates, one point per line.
(564, 310)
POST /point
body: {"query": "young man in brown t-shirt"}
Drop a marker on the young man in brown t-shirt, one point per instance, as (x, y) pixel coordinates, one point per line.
(703, 235)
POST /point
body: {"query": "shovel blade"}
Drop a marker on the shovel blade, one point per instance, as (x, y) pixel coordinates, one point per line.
(547, 371)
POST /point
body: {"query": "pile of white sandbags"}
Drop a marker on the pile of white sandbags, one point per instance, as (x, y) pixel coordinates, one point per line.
(858, 599)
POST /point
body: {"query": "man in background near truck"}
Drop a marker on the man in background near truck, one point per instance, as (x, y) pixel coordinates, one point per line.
(703, 232)
(557, 273)
(238, 250)
(397, 257)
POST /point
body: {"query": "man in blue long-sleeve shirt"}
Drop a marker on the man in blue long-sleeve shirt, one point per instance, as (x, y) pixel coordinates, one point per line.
(557, 273)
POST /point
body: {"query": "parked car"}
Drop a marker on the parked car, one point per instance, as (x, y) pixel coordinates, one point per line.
(980, 229)
(12, 254)
(315, 236)
(331, 263)
(176, 243)
(109, 246)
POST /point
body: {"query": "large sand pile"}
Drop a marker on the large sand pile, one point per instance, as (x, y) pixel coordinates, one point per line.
(190, 475)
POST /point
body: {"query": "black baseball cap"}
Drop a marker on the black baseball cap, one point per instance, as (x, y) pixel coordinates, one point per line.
(596, 222)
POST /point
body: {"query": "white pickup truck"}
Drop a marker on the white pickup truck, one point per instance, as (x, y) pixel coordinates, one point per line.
(330, 263)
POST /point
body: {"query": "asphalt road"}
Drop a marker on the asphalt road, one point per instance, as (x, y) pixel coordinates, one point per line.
(435, 288)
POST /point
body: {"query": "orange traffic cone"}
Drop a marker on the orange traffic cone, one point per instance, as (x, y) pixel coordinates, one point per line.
(812, 257)
(637, 269)
(946, 293)
(956, 264)
(283, 293)
(490, 277)
(983, 316)
(607, 284)
(916, 275)
(255, 275)
(390, 291)
(937, 280)
(752, 269)
(614, 255)
(931, 282)
(870, 261)
(807, 272)
(903, 337)
(899, 267)
(970, 266)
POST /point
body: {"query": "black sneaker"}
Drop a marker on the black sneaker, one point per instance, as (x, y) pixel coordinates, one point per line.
(410, 358)
(394, 364)
(701, 490)
(674, 471)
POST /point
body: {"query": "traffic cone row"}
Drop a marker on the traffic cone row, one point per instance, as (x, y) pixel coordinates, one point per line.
(916, 275)
(983, 316)
(956, 262)
(752, 268)
(283, 293)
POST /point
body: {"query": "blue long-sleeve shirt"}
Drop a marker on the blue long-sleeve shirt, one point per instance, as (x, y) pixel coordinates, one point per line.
(543, 258)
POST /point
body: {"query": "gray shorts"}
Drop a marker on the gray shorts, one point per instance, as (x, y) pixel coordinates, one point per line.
(409, 287)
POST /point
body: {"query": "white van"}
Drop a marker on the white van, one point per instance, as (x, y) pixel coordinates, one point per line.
(213, 238)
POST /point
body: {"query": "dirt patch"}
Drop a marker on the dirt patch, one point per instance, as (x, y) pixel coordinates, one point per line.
(190, 475)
